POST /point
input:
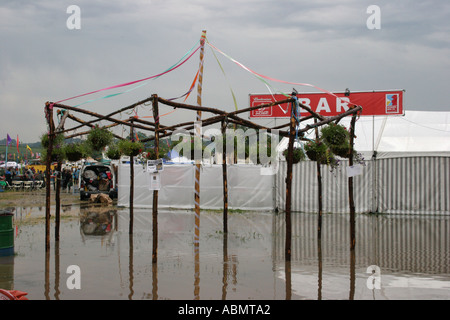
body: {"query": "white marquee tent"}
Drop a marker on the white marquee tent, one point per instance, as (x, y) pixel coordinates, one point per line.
(409, 174)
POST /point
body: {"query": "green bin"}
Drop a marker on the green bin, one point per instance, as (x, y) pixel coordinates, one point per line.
(6, 234)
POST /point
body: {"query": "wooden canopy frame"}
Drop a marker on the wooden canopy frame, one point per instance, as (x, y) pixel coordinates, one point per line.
(159, 131)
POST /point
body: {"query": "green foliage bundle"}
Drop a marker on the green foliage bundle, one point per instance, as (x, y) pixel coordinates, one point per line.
(297, 156)
(113, 151)
(130, 148)
(75, 151)
(98, 138)
(58, 153)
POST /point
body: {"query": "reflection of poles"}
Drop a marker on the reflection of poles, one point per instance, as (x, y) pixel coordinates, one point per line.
(57, 271)
(352, 212)
(155, 192)
(225, 266)
(47, 275)
(287, 272)
(155, 281)
(130, 267)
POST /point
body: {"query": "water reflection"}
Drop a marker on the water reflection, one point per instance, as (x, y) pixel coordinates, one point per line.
(246, 263)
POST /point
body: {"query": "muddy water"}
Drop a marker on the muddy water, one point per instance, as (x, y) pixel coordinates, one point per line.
(409, 254)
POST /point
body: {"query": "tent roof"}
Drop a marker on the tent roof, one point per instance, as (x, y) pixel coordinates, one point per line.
(415, 133)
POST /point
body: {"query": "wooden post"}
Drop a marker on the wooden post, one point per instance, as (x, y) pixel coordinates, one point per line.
(58, 178)
(51, 137)
(225, 180)
(289, 184)
(352, 212)
(197, 133)
(155, 192)
(319, 219)
(130, 229)
(60, 127)
(350, 185)
(319, 191)
(197, 176)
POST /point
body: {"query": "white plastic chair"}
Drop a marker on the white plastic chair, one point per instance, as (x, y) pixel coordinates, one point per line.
(17, 185)
(27, 185)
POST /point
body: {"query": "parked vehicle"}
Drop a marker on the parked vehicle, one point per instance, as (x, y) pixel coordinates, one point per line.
(96, 178)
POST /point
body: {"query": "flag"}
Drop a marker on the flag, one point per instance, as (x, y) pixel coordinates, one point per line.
(28, 148)
(8, 141)
(17, 144)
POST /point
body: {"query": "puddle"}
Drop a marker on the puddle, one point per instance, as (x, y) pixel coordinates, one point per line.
(411, 252)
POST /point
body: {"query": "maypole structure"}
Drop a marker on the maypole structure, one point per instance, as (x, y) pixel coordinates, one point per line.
(198, 140)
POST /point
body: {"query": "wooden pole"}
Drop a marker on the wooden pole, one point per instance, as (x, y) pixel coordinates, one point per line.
(319, 219)
(155, 192)
(198, 135)
(197, 176)
(51, 137)
(289, 184)
(130, 229)
(58, 178)
(352, 212)
(350, 185)
(319, 191)
(225, 180)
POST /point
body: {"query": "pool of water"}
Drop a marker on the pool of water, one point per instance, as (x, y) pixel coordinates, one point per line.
(409, 255)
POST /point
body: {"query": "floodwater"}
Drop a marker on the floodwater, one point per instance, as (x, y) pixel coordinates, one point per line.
(409, 255)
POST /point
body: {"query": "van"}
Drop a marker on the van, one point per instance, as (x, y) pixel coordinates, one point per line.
(96, 178)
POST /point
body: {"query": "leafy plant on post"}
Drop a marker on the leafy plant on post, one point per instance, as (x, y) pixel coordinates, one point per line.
(58, 153)
(337, 138)
(98, 138)
(297, 156)
(113, 151)
(130, 148)
(75, 151)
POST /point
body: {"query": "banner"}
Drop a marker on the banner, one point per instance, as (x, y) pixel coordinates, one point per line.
(374, 103)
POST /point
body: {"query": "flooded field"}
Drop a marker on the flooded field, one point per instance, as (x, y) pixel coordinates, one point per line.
(409, 254)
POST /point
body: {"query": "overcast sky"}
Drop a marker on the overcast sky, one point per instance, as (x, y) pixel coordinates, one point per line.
(325, 43)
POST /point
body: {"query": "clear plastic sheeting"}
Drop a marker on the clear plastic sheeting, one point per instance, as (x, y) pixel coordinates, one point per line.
(247, 188)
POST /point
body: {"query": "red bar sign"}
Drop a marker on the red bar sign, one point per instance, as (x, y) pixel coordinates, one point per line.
(374, 103)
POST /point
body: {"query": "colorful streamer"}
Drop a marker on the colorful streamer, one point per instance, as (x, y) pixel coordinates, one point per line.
(223, 71)
(190, 53)
(262, 77)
